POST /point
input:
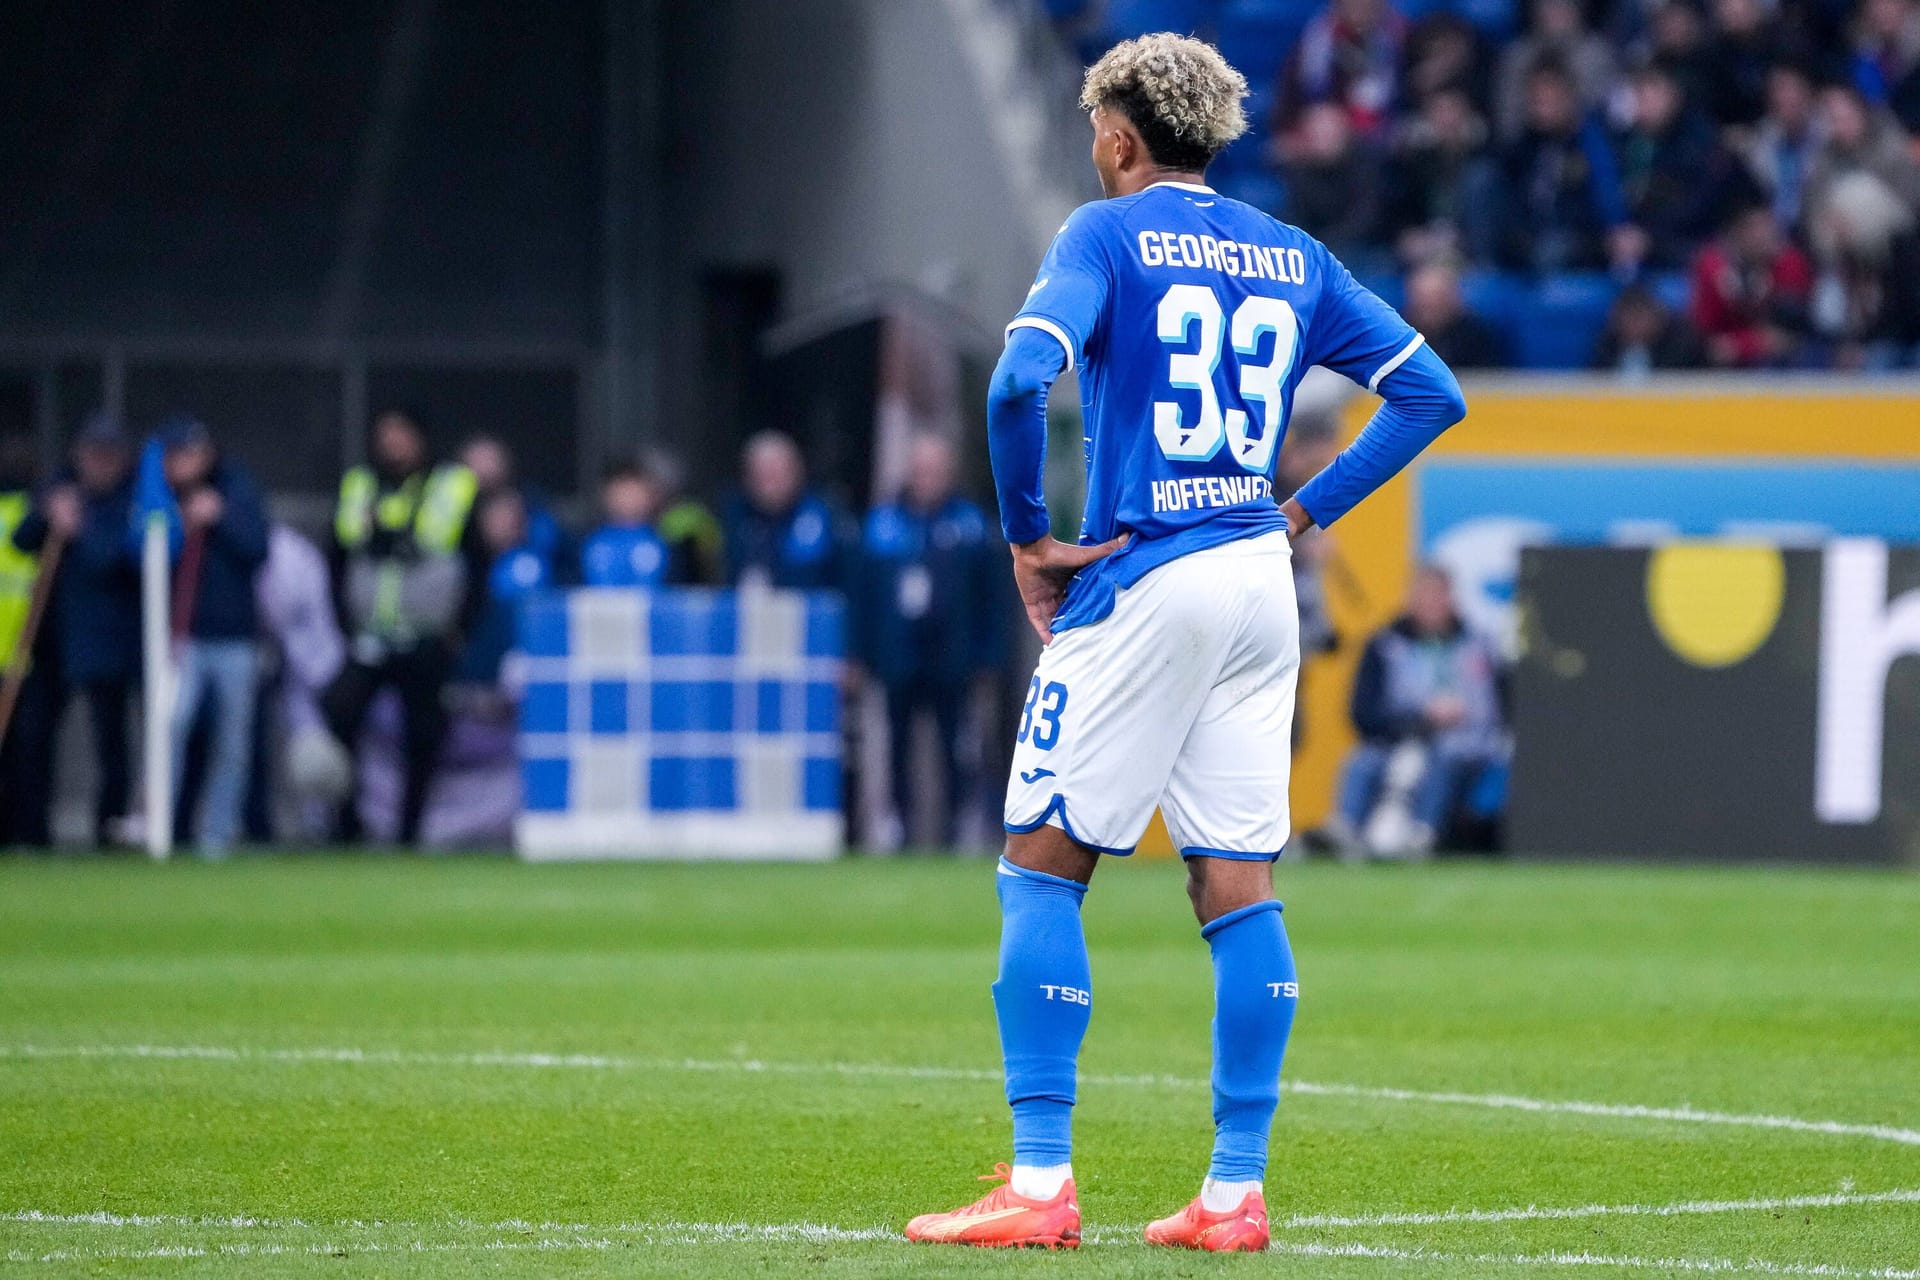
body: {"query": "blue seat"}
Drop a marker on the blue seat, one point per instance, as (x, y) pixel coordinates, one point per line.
(1495, 296)
(1125, 19)
(1560, 322)
(1257, 186)
(1258, 40)
(1243, 156)
(1497, 19)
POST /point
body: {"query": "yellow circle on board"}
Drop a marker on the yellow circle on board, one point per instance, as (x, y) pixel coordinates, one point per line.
(1715, 603)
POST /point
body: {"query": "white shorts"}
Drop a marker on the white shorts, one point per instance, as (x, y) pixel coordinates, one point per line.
(1182, 697)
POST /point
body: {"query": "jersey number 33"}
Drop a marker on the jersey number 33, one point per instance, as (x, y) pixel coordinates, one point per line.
(1199, 438)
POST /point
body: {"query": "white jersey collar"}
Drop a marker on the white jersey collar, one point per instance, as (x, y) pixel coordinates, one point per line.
(1184, 186)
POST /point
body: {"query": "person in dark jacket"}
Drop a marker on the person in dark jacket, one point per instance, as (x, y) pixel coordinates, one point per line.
(1679, 182)
(1333, 184)
(219, 525)
(778, 533)
(1436, 307)
(1643, 336)
(929, 620)
(1565, 211)
(95, 614)
(1426, 702)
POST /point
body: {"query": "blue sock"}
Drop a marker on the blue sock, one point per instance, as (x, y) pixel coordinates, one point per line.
(1044, 1001)
(1254, 992)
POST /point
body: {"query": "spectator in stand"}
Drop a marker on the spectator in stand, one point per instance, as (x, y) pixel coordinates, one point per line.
(495, 471)
(1743, 47)
(1866, 291)
(1856, 138)
(1333, 188)
(1750, 293)
(625, 551)
(1436, 308)
(1426, 703)
(1349, 55)
(1678, 180)
(96, 606)
(409, 572)
(1781, 151)
(516, 567)
(696, 547)
(1643, 335)
(1886, 57)
(1445, 51)
(218, 524)
(1677, 36)
(26, 751)
(1565, 210)
(1441, 190)
(930, 620)
(778, 533)
(1557, 32)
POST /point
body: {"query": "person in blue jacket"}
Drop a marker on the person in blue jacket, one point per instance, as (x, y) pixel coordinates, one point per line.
(625, 551)
(518, 564)
(930, 619)
(95, 609)
(778, 533)
(218, 524)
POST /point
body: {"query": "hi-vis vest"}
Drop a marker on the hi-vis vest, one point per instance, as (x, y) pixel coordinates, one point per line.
(412, 589)
(435, 504)
(17, 572)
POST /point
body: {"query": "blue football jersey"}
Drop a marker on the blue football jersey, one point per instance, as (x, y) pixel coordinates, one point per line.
(1191, 319)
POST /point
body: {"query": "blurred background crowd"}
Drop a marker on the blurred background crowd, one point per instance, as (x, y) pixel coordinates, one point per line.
(362, 684)
(379, 656)
(706, 292)
(1623, 184)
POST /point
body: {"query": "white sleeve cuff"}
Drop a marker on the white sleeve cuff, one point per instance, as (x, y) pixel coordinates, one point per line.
(1399, 358)
(1045, 325)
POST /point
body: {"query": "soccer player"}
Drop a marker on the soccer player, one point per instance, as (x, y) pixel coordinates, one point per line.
(1171, 633)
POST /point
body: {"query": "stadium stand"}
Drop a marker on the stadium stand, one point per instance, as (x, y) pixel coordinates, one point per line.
(1725, 57)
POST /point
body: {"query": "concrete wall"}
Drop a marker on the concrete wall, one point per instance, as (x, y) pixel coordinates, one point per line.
(848, 144)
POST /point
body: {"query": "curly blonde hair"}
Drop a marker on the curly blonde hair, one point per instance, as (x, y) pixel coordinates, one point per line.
(1181, 95)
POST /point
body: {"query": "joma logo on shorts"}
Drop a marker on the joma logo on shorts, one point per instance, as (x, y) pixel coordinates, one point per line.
(1284, 990)
(1071, 995)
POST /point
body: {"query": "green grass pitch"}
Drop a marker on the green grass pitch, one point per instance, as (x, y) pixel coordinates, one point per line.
(397, 1066)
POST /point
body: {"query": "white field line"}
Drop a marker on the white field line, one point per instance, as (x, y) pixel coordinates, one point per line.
(613, 1062)
(1538, 1213)
(821, 1231)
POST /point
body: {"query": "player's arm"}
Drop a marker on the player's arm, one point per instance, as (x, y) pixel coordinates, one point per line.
(1045, 340)
(1362, 337)
(1017, 441)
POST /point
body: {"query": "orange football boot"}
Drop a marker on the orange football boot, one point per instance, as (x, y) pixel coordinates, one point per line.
(1003, 1219)
(1242, 1230)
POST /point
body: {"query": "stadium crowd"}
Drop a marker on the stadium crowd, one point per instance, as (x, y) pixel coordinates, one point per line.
(1618, 184)
(361, 685)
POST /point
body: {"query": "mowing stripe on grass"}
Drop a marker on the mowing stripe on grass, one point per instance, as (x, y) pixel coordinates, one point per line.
(614, 1062)
(1560, 1258)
